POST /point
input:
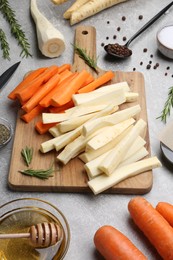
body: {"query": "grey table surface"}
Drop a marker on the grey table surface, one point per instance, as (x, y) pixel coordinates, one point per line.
(86, 212)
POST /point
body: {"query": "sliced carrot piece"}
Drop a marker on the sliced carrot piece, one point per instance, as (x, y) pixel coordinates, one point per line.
(64, 94)
(31, 76)
(31, 88)
(43, 128)
(41, 92)
(64, 67)
(46, 101)
(61, 108)
(107, 76)
(28, 117)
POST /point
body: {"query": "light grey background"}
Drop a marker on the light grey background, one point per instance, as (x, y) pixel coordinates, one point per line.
(86, 212)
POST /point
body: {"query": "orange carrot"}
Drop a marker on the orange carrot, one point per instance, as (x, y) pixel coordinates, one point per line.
(31, 88)
(61, 108)
(64, 74)
(27, 117)
(31, 76)
(64, 94)
(64, 67)
(97, 82)
(166, 210)
(43, 128)
(114, 245)
(153, 225)
(41, 92)
(89, 79)
(46, 101)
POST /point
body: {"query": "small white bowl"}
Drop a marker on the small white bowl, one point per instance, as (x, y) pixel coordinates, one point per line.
(165, 41)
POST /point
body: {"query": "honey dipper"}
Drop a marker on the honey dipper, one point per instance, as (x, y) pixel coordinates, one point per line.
(41, 235)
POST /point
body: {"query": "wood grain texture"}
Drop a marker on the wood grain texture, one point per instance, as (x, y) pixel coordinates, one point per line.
(72, 177)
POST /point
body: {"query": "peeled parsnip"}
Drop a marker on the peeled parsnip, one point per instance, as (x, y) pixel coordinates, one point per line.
(59, 2)
(73, 7)
(90, 8)
(50, 41)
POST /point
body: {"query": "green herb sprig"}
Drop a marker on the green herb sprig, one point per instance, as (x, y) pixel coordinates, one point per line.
(4, 45)
(27, 154)
(167, 106)
(40, 173)
(90, 61)
(16, 29)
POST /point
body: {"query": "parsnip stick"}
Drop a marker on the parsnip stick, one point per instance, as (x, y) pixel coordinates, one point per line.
(75, 6)
(104, 182)
(114, 158)
(90, 8)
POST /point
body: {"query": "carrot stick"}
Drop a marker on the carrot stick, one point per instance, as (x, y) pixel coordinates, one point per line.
(61, 108)
(41, 93)
(32, 114)
(166, 210)
(64, 67)
(114, 245)
(65, 74)
(64, 94)
(31, 76)
(31, 88)
(43, 128)
(153, 225)
(46, 101)
(97, 82)
(88, 80)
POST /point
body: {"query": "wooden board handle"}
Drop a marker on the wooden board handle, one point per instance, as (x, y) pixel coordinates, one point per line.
(85, 38)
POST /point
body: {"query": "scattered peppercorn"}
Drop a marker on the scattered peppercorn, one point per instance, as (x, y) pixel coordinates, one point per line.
(118, 29)
(123, 18)
(145, 50)
(157, 64)
(148, 67)
(108, 22)
(151, 56)
(155, 67)
(140, 17)
(141, 63)
(102, 44)
(114, 37)
(134, 69)
(124, 38)
(168, 68)
(150, 61)
(107, 38)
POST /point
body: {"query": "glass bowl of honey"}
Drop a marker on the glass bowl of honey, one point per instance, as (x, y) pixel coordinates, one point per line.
(17, 216)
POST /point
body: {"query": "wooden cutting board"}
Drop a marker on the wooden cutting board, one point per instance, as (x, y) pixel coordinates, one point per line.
(72, 177)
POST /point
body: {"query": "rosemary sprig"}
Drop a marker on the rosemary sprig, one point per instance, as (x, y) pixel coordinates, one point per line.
(90, 61)
(167, 106)
(16, 29)
(4, 45)
(40, 173)
(27, 154)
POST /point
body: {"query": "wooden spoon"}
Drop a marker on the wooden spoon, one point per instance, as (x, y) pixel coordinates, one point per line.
(41, 235)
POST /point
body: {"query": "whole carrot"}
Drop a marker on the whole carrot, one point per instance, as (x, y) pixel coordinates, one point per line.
(114, 245)
(166, 210)
(153, 225)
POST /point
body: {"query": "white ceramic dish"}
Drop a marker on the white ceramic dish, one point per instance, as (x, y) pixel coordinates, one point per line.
(165, 41)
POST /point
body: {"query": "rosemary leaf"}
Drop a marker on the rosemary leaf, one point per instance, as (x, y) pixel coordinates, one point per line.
(88, 60)
(40, 173)
(4, 45)
(27, 154)
(167, 106)
(16, 29)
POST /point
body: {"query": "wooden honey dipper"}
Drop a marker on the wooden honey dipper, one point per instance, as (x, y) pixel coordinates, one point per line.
(41, 235)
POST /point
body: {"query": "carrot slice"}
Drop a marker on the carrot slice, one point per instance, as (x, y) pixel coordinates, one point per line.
(65, 74)
(41, 92)
(166, 210)
(64, 67)
(28, 117)
(31, 76)
(153, 225)
(31, 88)
(64, 94)
(61, 108)
(43, 128)
(114, 245)
(97, 82)
(46, 101)
(89, 79)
